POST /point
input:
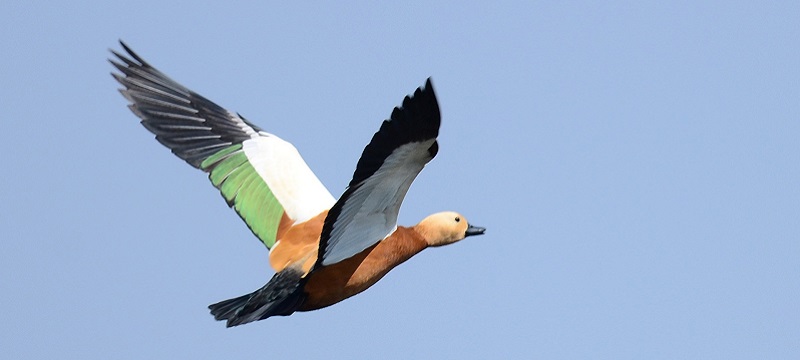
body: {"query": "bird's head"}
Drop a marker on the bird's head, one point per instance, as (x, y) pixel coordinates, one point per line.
(446, 228)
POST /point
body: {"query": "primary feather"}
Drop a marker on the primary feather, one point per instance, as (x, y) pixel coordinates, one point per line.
(262, 177)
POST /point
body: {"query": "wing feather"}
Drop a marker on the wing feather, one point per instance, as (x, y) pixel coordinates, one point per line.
(262, 177)
(367, 211)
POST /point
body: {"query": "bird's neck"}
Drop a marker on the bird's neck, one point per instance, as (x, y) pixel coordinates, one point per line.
(376, 261)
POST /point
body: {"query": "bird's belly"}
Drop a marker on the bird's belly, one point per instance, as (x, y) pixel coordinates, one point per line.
(342, 280)
(330, 284)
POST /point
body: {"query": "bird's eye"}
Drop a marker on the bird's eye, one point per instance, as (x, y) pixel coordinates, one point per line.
(458, 219)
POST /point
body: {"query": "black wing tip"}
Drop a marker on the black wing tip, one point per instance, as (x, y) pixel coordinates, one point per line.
(425, 91)
(417, 119)
(428, 83)
(130, 59)
(421, 111)
(131, 53)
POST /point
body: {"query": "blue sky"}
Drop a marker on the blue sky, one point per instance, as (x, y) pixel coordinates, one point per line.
(636, 165)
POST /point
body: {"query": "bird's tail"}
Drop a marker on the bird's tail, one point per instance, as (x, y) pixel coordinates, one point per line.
(281, 296)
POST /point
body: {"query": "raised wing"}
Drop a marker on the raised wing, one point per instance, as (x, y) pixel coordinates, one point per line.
(260, 176)
(367, 211)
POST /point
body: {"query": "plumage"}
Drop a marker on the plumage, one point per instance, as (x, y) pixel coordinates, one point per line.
(262, 177)
(367, 212)
(322, 250)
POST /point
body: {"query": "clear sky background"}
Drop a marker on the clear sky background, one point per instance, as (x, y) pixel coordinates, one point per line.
(636, 164)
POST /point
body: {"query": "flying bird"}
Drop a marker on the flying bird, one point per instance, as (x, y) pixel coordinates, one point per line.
(323, 250)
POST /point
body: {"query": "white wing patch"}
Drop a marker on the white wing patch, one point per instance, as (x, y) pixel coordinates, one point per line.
(288, 176)
(369, 214)
(247, 129)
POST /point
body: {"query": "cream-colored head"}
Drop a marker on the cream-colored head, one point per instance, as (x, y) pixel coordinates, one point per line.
(446, 228)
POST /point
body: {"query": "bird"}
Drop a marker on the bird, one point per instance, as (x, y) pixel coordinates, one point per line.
(322, 250)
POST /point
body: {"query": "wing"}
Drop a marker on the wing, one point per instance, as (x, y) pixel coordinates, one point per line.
(367, 211)
(260, 176)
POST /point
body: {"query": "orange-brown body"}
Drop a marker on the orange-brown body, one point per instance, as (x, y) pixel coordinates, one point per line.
(336, 282)
(300, 286)
(330, 284)
(298, 245)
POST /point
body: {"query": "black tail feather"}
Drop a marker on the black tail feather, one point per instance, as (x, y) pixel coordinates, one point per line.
(223, 310)
(281, 296)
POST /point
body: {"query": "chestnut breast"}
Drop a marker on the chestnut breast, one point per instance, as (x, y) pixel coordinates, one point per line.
(333, 283)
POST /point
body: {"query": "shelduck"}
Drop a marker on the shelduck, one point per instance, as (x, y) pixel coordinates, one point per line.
(323, 250)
